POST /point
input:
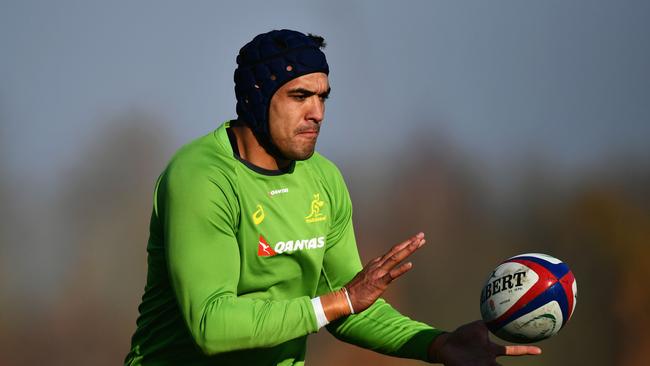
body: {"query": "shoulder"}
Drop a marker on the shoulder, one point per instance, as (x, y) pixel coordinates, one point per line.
(329, 175)
(324, 168)
(202, 161)
(204, 150)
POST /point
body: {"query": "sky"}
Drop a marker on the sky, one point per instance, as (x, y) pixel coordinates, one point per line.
(565, 80)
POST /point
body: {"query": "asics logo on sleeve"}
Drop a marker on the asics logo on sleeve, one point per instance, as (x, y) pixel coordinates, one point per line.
(289, 246)
(258, 215)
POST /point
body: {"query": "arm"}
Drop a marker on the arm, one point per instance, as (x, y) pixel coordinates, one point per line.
(200, 216)
(379, 327)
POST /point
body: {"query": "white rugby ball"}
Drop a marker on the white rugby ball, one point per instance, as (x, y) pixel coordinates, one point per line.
(528, 298)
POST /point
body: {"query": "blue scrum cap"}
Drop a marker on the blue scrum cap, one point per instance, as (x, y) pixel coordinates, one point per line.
(265, 64)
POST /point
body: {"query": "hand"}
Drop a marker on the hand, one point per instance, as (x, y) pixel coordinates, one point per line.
(375, 277)
(470, 345)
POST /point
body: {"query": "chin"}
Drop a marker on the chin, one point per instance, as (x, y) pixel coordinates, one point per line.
(305, 156)
(302, 155)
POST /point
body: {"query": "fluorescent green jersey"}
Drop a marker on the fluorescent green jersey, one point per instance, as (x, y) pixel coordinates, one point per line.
(235, 255)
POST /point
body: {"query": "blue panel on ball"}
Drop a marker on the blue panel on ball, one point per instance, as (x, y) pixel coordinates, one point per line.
(558, 270)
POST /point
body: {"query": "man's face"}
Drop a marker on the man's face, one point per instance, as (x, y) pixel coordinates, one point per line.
(295, 115)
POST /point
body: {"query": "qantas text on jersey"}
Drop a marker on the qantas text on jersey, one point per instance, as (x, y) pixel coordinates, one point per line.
(301, 244)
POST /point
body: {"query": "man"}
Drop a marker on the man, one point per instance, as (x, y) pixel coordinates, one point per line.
(251, 241)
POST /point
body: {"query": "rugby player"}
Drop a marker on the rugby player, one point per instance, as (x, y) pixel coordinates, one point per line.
(252, 247)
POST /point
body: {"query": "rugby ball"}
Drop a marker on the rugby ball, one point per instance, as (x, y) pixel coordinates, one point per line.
(528, 298)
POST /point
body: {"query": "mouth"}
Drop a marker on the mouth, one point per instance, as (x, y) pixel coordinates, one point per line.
(308, 133)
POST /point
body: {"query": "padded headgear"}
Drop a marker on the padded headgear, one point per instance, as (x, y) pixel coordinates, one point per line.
(265, 64)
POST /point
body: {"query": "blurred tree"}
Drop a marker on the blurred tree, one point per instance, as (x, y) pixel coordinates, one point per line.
(104, 208)
(108, 207)
(612, 217)
(5, 204)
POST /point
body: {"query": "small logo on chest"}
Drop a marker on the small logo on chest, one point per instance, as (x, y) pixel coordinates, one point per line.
(315, 215)
(278, 191)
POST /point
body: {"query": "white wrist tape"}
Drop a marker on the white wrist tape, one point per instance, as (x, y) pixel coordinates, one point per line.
(321, 319)
(348, 298)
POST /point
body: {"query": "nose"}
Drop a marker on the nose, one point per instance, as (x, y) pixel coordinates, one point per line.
(316, 111)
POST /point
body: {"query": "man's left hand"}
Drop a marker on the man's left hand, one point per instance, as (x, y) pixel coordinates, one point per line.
(469, 345)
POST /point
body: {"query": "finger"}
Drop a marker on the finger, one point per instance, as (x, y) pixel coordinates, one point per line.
(393, 250)
(518, 350)
(396, 272)
(399, 256)
(414, 242)
(402, 245)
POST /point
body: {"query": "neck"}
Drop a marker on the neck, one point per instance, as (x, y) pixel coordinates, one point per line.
(251, 150)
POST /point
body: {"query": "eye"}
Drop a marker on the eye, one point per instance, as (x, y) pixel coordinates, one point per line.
(299, 97)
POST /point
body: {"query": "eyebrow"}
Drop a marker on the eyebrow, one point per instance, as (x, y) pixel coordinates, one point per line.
(309, 93)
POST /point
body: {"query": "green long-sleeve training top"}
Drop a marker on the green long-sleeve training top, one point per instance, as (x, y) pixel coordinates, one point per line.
(235, 255)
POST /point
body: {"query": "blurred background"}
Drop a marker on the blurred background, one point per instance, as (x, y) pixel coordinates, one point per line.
(497, 128)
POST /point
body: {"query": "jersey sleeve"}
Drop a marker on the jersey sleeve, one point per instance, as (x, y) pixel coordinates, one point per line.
(199, 214)
(380, 328)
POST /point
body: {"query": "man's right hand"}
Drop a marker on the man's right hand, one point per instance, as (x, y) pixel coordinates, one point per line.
(374, 278)
(368, 285)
